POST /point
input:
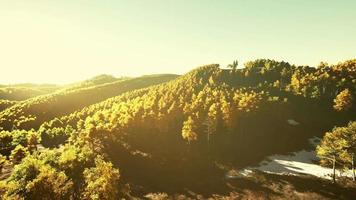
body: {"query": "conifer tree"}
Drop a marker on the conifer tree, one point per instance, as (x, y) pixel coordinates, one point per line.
(188, 130)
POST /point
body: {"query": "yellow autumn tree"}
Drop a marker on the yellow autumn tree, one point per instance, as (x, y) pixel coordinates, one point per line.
(329, 150)
(33, 139)
(33, 179)
(101, 181)
(18, 154)
(188, 130)
(3, 162)
(343, 101)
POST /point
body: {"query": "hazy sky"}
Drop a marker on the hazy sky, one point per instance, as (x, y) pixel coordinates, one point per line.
(60, 41)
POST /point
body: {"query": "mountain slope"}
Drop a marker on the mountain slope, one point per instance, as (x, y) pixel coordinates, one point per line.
(5, 104)
(33, 112)
(165, 137)
(208, 115)
(20, 92)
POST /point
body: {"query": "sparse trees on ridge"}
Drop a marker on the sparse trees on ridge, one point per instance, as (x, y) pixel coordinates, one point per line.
(233, 65)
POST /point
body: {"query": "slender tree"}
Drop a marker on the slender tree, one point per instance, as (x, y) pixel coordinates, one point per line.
(348, 141)
(233, 65)
(339, 145)
(329, 150)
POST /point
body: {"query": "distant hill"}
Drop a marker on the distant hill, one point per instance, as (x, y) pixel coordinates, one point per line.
(21, 92)
(29, 85)
(96, 80)
(32, 112)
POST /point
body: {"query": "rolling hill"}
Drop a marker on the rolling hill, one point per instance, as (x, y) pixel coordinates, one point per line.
(157, 135)
(21, 92)
(32, 112)
(210, 111)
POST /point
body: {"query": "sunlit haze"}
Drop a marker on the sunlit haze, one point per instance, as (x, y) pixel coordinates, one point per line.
(45, 41)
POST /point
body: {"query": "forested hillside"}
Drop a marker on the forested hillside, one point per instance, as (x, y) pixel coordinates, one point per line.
(33, 112)
(166, 137)
(20, 92)
(5, 104)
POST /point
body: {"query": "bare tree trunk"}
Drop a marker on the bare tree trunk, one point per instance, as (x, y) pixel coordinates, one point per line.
(353, 167)
(208, 143)
(208, 138)
(334, 161)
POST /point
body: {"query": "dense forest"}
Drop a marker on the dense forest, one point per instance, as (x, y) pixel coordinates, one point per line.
(114, 138)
